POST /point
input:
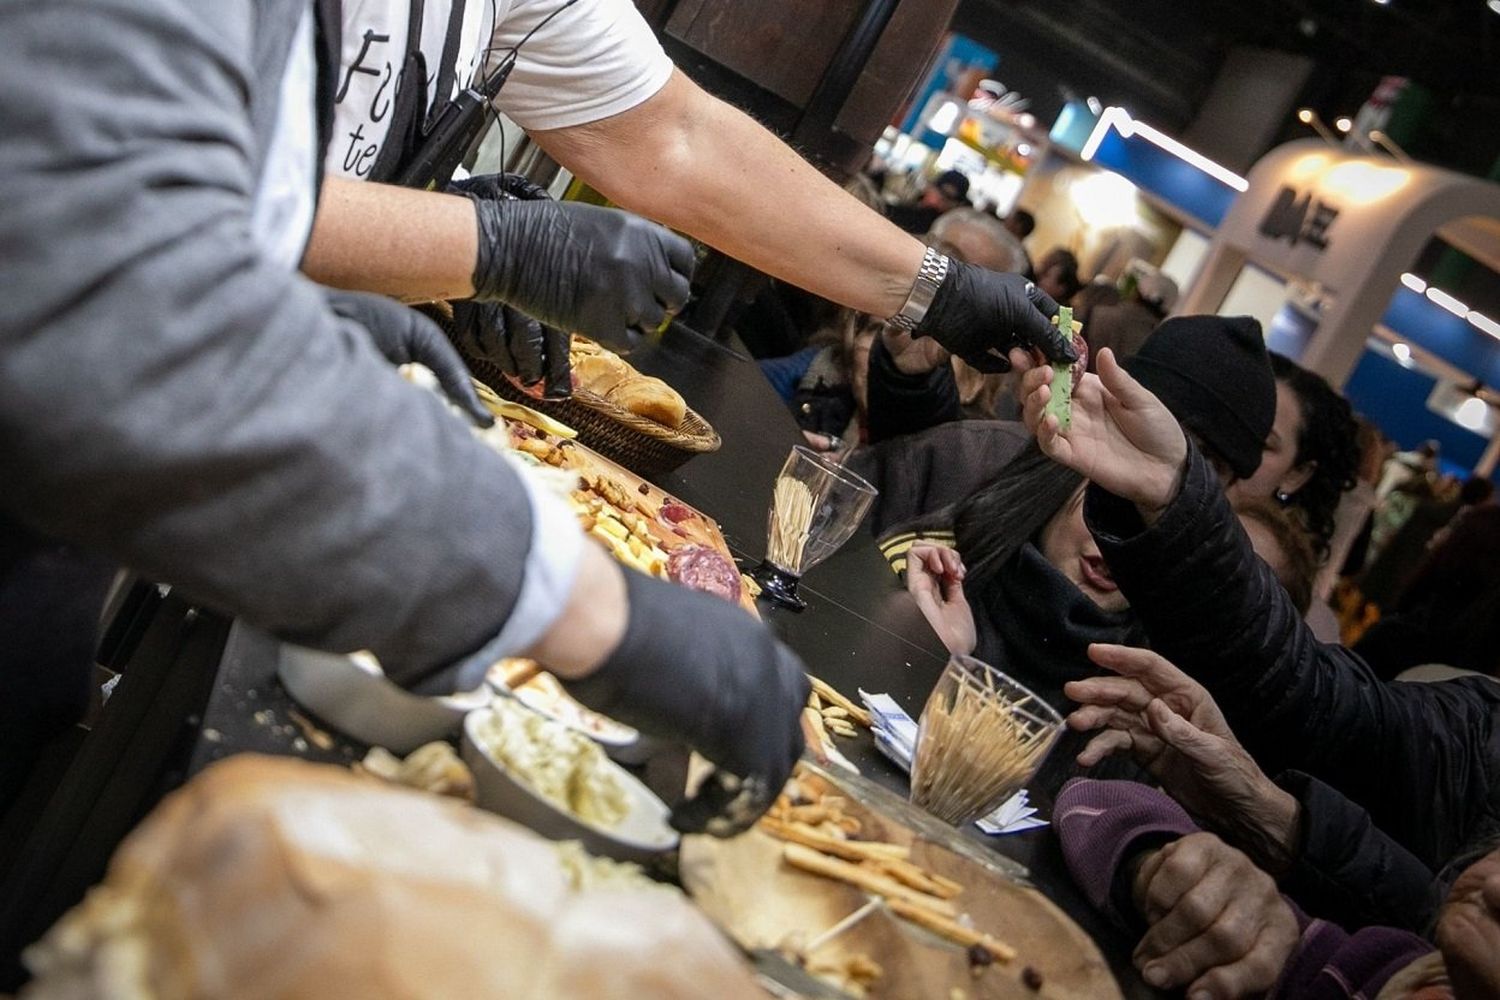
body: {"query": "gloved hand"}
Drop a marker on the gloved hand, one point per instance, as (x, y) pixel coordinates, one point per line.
(597, 271)
(517, 344)
(698, 670)
(404, 335)
(506, 337)
(980, 315)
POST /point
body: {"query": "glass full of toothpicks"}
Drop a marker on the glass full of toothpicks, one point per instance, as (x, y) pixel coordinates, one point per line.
(815, 506)
(981, 738)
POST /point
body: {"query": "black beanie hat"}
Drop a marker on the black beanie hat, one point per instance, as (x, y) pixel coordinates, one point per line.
(1213, 373)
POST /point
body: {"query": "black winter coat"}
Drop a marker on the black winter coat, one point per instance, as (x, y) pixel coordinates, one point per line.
(1420, 759)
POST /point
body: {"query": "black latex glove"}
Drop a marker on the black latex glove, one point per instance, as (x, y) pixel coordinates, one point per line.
(404, 335)
(506, 337)
(597, 271)
(698, 670)
(517, 344)
(979, 315)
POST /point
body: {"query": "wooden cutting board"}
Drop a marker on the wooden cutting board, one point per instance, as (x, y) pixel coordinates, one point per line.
(646, 498)
(744, 886)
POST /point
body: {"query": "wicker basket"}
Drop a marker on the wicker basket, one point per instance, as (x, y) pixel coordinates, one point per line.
(641, 445)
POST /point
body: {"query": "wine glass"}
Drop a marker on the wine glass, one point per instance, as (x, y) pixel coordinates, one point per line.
(815, 506)
(981, 738)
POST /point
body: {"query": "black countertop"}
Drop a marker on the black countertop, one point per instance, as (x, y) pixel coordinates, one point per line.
(859, 630)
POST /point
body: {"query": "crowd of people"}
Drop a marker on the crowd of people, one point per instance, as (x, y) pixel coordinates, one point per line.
(1268, 809)
(197, 383)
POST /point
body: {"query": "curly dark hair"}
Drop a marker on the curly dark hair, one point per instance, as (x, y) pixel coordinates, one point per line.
(1330, 438)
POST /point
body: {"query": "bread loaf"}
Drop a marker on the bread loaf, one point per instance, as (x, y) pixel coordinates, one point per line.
(601, 372)
(275, 878)
(650, 398)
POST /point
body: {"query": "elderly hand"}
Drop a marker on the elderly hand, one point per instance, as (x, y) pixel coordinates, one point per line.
(1171, 726)
(935, 580)
(993, 320)
(1122, 437)
(1468, 930)
(1217, 924)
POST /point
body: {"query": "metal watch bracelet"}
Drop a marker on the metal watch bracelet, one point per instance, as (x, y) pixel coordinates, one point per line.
(929, 277)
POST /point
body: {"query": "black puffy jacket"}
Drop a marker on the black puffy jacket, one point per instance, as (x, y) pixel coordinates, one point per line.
(1420, 758)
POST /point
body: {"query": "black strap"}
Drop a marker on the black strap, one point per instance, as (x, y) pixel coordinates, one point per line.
(328, 25)
(448, 68)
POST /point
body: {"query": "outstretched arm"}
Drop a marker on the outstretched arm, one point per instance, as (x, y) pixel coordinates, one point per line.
(1213, 607)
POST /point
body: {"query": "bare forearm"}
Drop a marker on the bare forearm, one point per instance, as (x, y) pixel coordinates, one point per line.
(591, 624)
(414, 245)
(698, 165)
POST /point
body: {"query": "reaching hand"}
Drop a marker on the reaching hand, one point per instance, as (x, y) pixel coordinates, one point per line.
(1171, 726)
(994, 320)
(699, 670)
(404, 336)
(1217, 923)
(577, 267)
(935, 580)
(1122, 437)
(516, 344)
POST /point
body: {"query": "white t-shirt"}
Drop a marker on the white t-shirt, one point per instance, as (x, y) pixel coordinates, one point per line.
(594, 59)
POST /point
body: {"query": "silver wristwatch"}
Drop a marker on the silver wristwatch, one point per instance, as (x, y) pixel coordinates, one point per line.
(929, 276)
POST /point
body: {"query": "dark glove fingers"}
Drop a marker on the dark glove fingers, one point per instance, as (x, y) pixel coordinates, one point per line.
(527, 346)
(429, 347)
(1056, 344)
(647, 316)
(1044, 303)
(725, 805)
(521, 188)
(558, 376)
(680, 256)
(674, 295)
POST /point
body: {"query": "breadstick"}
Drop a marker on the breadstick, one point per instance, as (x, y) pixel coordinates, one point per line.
(917, 878)
(850, 850)
(954, 931)
(815, 735)
(818, 863)
(828, 693)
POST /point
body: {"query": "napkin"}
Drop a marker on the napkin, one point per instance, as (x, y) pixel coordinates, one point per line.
(896, 736)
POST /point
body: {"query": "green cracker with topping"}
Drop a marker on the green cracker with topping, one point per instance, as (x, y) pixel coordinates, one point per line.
(1060, 403)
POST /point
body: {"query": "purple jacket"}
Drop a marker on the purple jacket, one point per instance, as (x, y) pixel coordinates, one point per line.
(1102, 824)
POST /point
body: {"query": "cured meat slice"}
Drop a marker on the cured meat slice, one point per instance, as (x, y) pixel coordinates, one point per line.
(701, 568)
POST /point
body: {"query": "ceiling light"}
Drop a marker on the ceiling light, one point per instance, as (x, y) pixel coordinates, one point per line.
(1413, 282)
(1098, 109)
(1028, 120)
(1344, 123)
(1382, 3)
(1494, 5)
(1023, 148)
(1484, 323)
(1305, 116)
(1448, 302)
(1402, 353)
(944, 118)
(1471, 413)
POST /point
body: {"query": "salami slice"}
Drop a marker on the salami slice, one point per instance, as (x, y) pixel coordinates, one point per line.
(702, 568)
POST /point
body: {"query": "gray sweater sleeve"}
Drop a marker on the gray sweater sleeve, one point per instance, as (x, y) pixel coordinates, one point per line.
(172, 400)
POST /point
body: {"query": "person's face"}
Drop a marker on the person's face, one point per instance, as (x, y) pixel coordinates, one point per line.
(1050, 281)
(1068, 546)
(1468, 930)
(936, 197)
(1279, 471)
